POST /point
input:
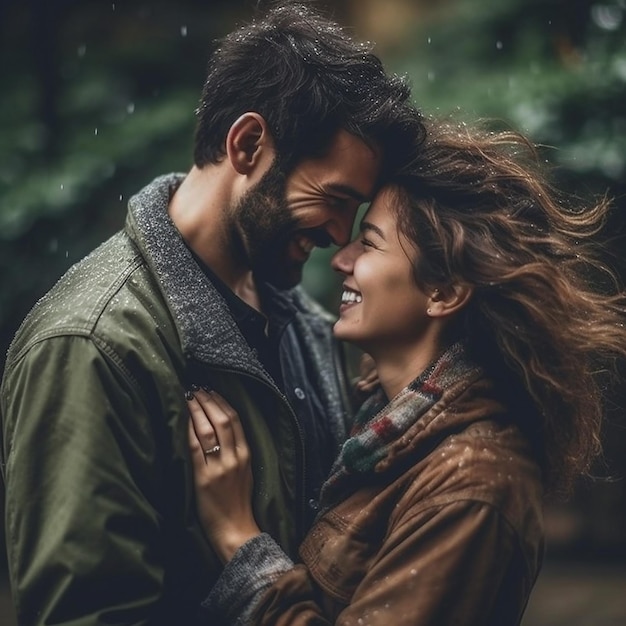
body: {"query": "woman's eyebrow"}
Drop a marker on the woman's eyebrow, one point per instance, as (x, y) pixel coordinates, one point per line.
(368, 226)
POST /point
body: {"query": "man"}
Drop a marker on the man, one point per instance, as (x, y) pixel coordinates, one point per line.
(296, 126)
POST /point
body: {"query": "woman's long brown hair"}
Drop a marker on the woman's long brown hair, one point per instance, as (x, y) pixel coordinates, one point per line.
(547, 313)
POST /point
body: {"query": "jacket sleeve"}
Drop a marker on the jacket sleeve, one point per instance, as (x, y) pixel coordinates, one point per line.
(254, 568)
(82, 519)
(446, 565)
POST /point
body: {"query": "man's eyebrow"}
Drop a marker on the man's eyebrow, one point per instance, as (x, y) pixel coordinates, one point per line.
(368, 226)
(346, 190)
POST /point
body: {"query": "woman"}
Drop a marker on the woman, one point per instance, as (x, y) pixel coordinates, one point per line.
(472, 288)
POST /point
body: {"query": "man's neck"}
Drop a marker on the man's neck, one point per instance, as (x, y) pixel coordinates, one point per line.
(198, 209)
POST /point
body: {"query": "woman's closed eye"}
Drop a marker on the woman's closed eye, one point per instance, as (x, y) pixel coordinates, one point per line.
(366, 243)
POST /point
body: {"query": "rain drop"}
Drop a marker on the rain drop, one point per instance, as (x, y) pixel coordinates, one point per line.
(499, 45)
(183, 31)
(607, 17)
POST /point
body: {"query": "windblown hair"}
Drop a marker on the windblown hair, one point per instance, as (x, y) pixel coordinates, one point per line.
(547, 313)
(308, 79)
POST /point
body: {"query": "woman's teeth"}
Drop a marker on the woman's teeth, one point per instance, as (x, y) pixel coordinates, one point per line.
(348, 297)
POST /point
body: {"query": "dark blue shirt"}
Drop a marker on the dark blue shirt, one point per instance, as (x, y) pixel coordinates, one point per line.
(263, 333)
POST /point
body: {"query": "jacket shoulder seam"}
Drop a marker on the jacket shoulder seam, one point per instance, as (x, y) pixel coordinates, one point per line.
(86, 330)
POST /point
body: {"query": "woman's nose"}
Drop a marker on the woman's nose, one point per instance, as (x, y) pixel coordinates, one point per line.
(343, 260)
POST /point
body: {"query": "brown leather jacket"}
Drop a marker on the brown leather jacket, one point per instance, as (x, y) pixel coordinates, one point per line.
(448, 531)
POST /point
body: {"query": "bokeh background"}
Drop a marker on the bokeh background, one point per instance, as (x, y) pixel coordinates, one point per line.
(98, 97)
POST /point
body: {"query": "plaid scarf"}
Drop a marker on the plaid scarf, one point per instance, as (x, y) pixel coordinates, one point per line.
(379, 423)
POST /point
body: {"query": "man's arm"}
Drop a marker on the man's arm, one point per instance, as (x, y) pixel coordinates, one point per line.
(82, 520)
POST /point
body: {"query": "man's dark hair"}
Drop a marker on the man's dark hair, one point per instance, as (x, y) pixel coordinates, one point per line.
(308, 79)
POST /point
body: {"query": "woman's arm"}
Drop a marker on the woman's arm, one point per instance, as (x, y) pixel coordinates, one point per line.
(222, 473)
(454, 564)
(223, 486)
(447, 563)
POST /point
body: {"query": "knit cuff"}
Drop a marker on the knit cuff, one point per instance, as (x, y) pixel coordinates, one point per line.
(255, 567)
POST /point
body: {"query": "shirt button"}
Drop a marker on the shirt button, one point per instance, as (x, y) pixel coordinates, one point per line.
(299, 393)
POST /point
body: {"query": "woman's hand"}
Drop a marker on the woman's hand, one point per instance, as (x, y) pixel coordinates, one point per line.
(368, 375)
(222, 473)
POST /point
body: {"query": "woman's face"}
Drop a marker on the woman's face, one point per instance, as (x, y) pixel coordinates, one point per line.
(381, 305)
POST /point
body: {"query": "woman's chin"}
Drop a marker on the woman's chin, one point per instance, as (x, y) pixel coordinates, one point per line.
(342, 332)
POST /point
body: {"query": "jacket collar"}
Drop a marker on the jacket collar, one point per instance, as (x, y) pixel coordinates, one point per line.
(385, 433)
(206, 328)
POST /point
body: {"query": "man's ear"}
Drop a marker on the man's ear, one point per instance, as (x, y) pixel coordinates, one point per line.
(449, 299)
(249, 143)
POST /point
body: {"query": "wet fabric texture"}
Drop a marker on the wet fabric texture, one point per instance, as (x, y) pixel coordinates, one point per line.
(100, 517)
(441, 522)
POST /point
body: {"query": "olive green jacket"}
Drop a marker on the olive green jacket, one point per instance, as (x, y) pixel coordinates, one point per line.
(100, 520)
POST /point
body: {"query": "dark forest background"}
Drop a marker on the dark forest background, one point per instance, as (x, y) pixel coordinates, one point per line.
(98, 97)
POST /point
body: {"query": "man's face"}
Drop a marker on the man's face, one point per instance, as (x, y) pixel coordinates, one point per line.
(283, 218)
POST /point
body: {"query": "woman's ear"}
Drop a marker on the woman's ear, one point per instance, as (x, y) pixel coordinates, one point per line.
(249, 144)
(449, 299)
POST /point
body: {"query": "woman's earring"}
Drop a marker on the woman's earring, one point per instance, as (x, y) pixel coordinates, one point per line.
(435, 294)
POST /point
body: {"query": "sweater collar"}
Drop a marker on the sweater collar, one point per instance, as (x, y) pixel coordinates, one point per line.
(206, 328)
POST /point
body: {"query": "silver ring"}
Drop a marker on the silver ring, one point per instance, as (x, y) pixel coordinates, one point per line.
(212, 450)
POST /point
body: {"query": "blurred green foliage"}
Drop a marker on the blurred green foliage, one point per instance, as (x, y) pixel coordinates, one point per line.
(555, 69)
(100, 99)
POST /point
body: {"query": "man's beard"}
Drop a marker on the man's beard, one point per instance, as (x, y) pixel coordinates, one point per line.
(263, 223)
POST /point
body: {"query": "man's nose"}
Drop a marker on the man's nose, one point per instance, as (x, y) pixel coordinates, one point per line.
(340, 228)
(343, 260)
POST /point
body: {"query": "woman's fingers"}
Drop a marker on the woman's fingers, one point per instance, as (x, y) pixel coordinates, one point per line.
(230, 426)
(222, 479)
(203, 428)
(196, 447)
(368, 375)
(217, 426)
